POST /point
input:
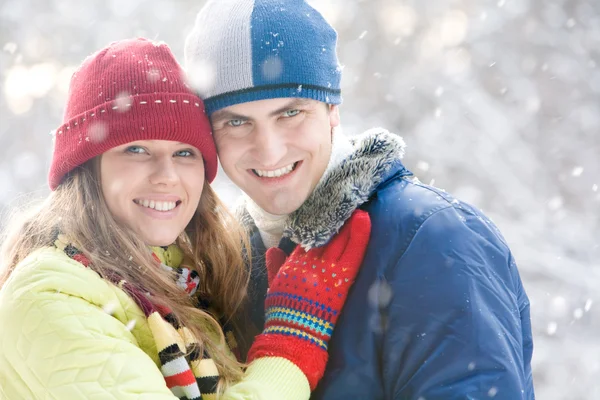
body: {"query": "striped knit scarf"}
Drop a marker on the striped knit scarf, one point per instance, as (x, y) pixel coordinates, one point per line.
(189, 374)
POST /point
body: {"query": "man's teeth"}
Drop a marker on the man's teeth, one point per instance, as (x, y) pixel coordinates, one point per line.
(276, 173)
(157, 205)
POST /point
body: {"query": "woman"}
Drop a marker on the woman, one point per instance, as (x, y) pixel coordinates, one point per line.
(106, 284)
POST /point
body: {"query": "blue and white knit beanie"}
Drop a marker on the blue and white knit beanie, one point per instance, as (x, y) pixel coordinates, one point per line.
(246, 50)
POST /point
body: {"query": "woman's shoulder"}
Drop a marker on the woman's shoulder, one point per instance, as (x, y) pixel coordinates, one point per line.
(48, 279)
(50, 269)
(62, 324)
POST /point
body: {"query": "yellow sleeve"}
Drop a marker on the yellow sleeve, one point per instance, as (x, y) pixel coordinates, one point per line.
(59, 347)
(57, 341)
(56, 346)
(270, 378)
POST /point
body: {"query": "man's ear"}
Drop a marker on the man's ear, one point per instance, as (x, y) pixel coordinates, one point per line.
(334, 115)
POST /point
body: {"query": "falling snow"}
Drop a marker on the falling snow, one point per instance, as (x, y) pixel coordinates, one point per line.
(130, 325)
(499, 103)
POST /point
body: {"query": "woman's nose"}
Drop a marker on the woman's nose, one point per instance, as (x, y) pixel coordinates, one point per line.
(164, 171)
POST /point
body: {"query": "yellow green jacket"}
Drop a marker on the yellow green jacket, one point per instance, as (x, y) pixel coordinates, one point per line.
(66, 334)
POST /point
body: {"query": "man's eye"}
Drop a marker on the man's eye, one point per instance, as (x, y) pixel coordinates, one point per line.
(291, 113)
(235, 122)
(135, 150)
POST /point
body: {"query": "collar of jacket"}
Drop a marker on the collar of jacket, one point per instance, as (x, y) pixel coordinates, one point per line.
(171, 255)
(376, 154)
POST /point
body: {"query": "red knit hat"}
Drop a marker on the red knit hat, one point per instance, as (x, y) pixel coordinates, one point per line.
(131, 90)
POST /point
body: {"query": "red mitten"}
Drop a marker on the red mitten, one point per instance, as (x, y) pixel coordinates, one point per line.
(274, 259)
(306, 297)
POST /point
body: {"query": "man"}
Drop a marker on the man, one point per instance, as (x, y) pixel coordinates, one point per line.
(438, 310)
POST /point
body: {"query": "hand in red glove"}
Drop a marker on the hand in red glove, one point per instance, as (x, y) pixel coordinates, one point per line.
(306, 297)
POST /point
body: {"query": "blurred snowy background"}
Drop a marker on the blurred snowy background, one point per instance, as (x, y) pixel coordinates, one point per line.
(499, 102)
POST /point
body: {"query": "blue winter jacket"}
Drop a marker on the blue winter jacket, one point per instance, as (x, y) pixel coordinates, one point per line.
(438, 310)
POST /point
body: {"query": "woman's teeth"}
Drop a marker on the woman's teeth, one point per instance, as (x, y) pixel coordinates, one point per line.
(276, 173)
(157, 205)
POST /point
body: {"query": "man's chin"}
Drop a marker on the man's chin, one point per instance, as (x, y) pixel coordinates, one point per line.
(281, 206)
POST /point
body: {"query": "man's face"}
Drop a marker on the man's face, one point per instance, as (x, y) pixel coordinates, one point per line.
(275, 150)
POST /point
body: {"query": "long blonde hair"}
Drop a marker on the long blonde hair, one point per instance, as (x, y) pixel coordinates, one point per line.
(213, 240)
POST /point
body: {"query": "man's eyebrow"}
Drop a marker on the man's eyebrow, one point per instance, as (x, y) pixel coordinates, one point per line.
(221, 115)
(292, 104)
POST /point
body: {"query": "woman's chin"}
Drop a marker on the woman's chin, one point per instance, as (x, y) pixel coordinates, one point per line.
(160, 241)
(158, 233)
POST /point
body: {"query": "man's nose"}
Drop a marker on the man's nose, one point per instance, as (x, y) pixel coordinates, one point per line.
(269, 146)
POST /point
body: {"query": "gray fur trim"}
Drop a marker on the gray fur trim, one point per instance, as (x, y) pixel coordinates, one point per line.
(345, 188)
(341, 191)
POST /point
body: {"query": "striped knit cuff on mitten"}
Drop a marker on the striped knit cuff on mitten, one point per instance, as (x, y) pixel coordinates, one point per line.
(296, 328)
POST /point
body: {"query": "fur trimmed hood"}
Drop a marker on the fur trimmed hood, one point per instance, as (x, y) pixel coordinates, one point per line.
(341, 191)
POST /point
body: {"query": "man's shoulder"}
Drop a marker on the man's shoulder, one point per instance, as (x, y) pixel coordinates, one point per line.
(405, 206)
(406, 200)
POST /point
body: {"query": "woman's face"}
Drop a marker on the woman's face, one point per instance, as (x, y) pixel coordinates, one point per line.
(153, 187)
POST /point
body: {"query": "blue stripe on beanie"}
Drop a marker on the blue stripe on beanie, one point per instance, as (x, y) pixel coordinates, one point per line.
(293, 52)
(292, 44)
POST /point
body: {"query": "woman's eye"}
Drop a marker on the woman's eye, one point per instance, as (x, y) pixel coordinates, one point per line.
(291, 113)
(235, 122)
(184, 153)
(135, 150)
